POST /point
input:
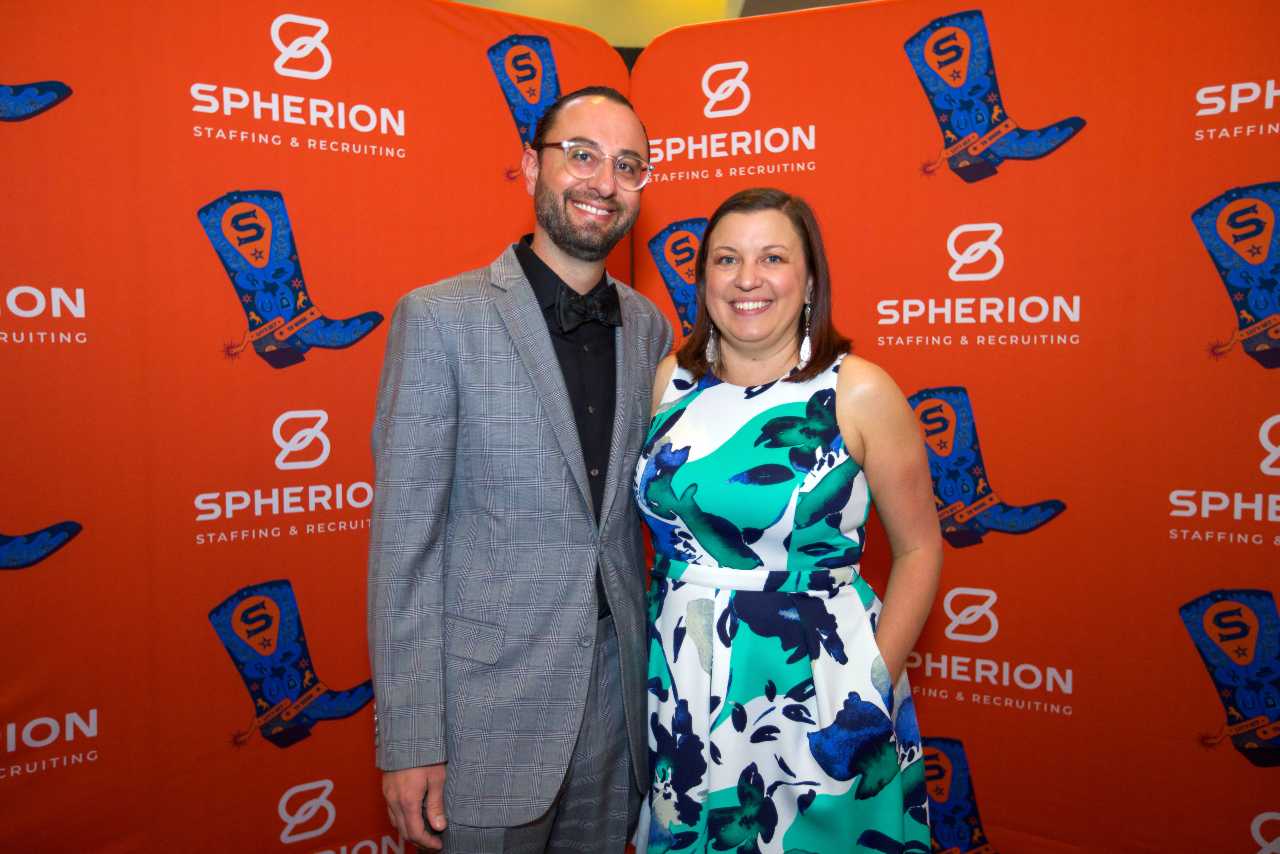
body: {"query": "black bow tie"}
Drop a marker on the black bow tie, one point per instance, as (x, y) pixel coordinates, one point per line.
(600, 306)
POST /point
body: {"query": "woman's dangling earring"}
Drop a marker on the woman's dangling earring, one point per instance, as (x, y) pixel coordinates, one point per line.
(806, 347)
(713, 348)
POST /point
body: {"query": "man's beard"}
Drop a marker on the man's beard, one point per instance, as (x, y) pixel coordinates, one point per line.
(583, 244)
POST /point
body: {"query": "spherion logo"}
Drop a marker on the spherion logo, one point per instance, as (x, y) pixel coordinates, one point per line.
(304, 447)
(726, 89)
(971, 613)
(386, 845)
(977, 257)
(27, 302)
(302, 46)
(724, 84)
(1253, 98)
(44, 731)
(44, 734)
(1246, 225)
(306, 811)
(57, 309)
(301, 55)
(1232, 508)
(1269, 846)
(975, 252)
(1270, 465)
(302, 439)
(1213, 102)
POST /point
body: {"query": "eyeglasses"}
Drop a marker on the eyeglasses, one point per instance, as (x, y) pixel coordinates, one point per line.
(584, 160)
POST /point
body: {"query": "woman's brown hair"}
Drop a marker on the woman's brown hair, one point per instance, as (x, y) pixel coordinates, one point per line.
(825, 340)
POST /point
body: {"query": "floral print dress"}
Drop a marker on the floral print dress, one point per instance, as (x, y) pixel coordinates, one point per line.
(773, 726)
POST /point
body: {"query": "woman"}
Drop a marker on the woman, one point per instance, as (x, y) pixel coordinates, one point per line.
(780, 717)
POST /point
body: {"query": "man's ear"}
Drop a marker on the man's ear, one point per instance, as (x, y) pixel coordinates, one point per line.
(529, 166)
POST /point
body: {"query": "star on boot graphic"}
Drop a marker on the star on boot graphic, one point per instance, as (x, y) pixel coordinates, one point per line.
(968, 506)
(262, 630)
(953, 806)
(1239, 230)
(952, 58)
(1237, 633)
(675, 251)
(526, 71)
(251, 233)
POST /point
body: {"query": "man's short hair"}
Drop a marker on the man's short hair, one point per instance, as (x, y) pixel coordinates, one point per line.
(548, 119)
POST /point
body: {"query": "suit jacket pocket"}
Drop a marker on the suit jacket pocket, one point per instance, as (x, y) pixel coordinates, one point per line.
(472, 639)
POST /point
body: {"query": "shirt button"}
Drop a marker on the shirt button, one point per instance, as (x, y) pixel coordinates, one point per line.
(586, 348)
(591, 410)
(595, 472)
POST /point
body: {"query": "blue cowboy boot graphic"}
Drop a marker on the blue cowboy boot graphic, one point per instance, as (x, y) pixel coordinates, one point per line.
(24, 550)
(675, 251)
(262, 630)
(967, 504)
(952, 57)
(526, 72)
(251, 233)
(953, 807)
(28, 100)
(1239, 230)
(1237, 633)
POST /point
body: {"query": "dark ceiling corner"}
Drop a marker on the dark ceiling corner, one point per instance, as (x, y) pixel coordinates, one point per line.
(628, 55)
(769, 7)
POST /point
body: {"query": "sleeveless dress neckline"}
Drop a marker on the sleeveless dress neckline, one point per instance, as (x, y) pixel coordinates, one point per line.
(721, 380)
(773, 726)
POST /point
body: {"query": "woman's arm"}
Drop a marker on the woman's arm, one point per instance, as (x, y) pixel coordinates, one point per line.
(662, 376)
(882, 435)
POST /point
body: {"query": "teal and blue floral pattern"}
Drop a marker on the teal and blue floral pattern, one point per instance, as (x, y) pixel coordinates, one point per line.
(773, 726)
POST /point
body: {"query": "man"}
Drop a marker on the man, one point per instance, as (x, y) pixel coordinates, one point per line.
(506, 616)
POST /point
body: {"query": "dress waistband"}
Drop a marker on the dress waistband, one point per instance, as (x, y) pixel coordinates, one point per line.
(760, 579)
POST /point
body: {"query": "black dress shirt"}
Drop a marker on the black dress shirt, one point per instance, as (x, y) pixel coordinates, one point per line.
(587, 362)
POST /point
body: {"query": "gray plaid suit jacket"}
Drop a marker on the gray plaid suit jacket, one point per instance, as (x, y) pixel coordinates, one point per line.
(484, 546)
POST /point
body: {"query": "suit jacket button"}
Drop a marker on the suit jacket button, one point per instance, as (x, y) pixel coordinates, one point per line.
(584, 641)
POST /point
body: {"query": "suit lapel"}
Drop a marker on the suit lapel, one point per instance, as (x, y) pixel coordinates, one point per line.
(624, 354)
(528, 330)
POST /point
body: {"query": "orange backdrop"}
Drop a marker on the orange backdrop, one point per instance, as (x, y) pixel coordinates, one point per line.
(187, 484)
(1058, 685)
(191, 324)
